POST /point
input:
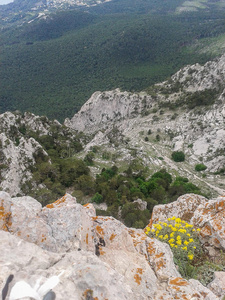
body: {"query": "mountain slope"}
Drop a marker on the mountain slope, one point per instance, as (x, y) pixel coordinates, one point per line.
(186, 113)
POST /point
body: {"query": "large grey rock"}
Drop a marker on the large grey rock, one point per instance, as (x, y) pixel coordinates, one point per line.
(92, 257)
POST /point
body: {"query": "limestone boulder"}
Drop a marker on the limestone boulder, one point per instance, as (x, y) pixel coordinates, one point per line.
(91, 257)
(217, 286)
(184, 208)
(210, 218)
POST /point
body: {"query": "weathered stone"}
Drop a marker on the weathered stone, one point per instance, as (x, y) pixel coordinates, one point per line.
(183, 208)
(211, 219)
(97, 257)
(217, 286)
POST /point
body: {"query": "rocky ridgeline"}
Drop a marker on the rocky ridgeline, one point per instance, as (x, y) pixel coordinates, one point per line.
(99, 257)
(185, 113)
(19, 146)
(17, 149)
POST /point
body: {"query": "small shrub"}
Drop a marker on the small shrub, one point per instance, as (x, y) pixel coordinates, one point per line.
(200, 167)
(183, 241)
(178, 156)
(97, 198)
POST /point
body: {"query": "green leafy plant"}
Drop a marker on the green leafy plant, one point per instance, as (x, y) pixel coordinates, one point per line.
(183, 240)
(200, 167)
(178, 156)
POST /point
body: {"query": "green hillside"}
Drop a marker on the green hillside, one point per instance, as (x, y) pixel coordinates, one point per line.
(51, 67)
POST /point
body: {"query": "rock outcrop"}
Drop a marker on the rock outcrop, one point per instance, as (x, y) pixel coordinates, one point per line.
(208, 215)
(185, 113)
(96, 257)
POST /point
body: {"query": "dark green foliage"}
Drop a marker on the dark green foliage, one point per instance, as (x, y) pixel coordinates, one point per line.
(206, 97)
(97, 198)
(89, 158)
(178, 156)
(200, 167)
(73, 54)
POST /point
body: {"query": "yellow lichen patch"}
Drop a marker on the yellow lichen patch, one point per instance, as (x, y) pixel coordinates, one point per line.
(112, 237)
(87, 205)
(137, 279)
(99, 230)
(178, 281)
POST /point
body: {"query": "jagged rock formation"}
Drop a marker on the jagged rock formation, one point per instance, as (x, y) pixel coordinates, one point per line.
(100, 257)
(209, 215)
(185, 113)
(21, 150)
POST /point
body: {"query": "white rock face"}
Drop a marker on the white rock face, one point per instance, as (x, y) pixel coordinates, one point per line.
(96, 257)
(198, 132)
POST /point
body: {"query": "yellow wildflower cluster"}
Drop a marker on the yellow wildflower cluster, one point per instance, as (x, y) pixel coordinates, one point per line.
(179, 234)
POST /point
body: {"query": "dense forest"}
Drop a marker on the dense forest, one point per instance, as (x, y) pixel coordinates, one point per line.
(51, 67)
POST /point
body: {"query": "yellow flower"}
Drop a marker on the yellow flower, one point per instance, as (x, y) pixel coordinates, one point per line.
(191, 240)
(190, 256)
(172, 234)
(165, 224)
(165, 237)
(153, 230)
(194, 247)
(172, 245)
(178, 237)
(198, 229)
(188, 234)
(178, 220)
(186, 242)
(160, 236)
(179, 242)
(173, 218)
(193, 229)
(169, 219)
(184, 248)
(171, 240)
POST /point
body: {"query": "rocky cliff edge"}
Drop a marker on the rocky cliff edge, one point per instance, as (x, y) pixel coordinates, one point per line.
(99, 257)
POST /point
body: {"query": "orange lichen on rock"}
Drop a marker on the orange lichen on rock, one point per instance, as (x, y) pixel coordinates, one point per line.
(5, 217)
(43, 238)
(151, 249)
(137, 279)
(112, 237)
(99, 230)
(159, 255)
(220, 204)
(57, 202)
(87, 238)
(206, 230)
(101, 251)
(160, 264)
(178, 281)
(217, 224)
(139, 270)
